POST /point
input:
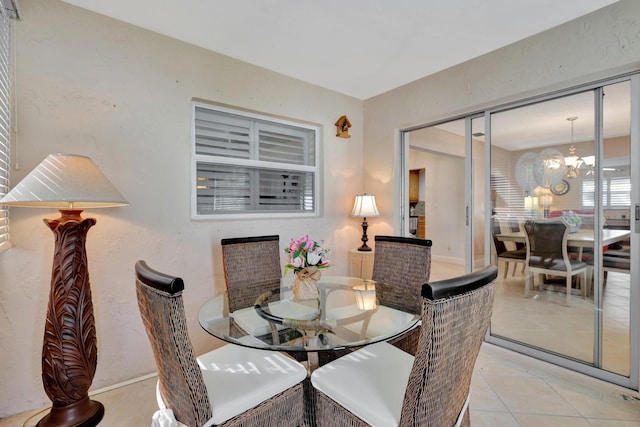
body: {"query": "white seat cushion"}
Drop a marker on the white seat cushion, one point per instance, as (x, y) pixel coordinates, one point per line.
(238, 378)
(370, 382)
(250, 322)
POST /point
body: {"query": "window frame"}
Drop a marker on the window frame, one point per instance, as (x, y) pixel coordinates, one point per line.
(254, 117)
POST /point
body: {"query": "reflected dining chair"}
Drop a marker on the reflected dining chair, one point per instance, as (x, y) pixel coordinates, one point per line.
(517, 256)
(401, 265)
(547, 253)
(381, 385)
(229, 386)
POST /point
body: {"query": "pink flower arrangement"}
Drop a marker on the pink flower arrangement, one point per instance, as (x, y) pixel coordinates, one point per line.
(305, 253)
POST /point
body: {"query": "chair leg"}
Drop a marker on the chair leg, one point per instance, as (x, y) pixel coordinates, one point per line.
(506, 269)
(527, 282)
(568, 299)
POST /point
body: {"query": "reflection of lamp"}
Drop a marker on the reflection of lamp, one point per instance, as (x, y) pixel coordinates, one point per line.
(578, 166)
(69, 353)
(366, 295)
(531, 202)
(365, 207)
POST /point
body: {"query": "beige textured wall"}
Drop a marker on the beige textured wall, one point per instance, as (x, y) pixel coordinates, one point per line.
(121, 95)
(602, 44)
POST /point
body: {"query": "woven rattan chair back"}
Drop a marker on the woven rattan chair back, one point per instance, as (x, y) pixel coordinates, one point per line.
(401, 265)
(251, 267)
(455, 317)
(180, 380)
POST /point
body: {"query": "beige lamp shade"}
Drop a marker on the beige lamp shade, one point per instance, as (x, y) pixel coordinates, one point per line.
(366, 295)
(365, 206)
(65, 181)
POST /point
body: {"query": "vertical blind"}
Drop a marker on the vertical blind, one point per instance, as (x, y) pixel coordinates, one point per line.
(8, 11)
(250, 165)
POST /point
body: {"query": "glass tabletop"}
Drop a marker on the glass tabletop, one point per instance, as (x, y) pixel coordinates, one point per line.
(346, 314)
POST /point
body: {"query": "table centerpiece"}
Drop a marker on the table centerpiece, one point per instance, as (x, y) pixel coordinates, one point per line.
(306, 257)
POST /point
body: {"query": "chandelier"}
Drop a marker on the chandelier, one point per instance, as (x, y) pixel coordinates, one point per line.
(576, 165)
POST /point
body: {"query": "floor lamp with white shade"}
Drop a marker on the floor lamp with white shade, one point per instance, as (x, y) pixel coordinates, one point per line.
(69, 183)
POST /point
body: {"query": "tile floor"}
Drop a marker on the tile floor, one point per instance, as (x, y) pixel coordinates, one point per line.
(543, 320)
(508, 389)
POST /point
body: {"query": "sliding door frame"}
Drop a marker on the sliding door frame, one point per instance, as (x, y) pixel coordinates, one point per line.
(594, 370)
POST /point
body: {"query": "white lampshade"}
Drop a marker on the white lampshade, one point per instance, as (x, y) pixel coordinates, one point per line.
(365, 206)
(366, 295)
(531, 202)
(65, 181)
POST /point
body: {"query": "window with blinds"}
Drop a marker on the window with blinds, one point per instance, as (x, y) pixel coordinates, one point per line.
(8, 11)
(616, 193)
(252, 165)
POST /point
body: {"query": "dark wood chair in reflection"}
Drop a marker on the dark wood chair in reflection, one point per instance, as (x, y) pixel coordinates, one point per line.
(507, 256)
(401, 265)
(380, 385)
(229, 386)
(547, 254)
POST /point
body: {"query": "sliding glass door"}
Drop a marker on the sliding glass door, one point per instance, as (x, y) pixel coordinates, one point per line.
(567, 158)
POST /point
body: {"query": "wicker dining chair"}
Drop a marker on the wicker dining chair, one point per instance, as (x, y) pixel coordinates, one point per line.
(380, 385)
(229, 386)
(251, 267)
(401, 265)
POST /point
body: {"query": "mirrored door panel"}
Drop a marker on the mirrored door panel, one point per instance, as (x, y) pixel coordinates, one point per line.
(544, 299)
(436, 162)
(614, 293)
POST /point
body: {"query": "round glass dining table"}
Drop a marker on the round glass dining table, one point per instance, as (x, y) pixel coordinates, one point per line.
(346, 314)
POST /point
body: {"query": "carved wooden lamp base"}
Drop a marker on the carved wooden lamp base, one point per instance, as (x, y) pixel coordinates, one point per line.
(69, 351)
(74, 415)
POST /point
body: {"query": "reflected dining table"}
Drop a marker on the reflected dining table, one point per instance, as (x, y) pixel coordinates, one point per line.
(583, 238)
(346, 315)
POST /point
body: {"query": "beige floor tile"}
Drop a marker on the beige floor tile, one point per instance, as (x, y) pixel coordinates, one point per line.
(529, 395)
(483, 398)
(613, 423)
(492, 419)
(609, 406)
(533, 420)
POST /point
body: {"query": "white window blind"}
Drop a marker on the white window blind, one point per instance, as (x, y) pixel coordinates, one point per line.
(251, 164)
(616, 192)
(7, 12)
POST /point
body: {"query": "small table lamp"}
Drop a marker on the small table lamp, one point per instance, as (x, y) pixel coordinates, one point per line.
(69, 183)
(365, 207)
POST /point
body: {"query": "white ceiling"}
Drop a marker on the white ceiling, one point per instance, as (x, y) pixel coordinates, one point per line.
(356, 47)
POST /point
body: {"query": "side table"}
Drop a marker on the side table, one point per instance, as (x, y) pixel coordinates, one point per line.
(361, 263)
